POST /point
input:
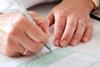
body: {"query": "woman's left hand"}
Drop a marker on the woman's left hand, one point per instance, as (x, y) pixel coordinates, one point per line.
(72, 22)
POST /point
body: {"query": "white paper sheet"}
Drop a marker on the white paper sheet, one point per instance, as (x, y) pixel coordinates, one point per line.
(75, 60)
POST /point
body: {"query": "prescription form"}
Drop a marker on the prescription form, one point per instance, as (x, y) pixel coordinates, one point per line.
(83, 55)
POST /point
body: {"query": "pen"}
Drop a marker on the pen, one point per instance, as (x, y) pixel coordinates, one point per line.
(24, 11)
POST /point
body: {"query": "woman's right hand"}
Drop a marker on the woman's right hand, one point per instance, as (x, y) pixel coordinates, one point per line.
(17, 34)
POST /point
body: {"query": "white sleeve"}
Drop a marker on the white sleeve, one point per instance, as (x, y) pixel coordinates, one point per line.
(5, 4)
(29, 3)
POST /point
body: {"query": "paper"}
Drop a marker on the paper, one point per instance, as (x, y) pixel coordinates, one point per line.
(61, 57)
(75, 60)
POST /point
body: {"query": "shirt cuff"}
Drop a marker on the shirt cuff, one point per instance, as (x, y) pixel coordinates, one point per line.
(96, 3)
(96, 12)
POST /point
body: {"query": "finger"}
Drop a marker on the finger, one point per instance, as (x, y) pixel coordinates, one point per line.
(41, 22)
(69, 31)
(8, 49)
(29, 44)
(20, 49)
(35, 32)
(59, 28)
(17, 46)
(88, 32)
(79, 31)
(50, 17)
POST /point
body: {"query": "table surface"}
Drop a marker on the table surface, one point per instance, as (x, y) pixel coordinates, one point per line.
(92, 47)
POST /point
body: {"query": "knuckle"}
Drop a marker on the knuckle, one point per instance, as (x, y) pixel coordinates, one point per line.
(82, 24)
(40, 23)
(62, 15)
(19, 21)
(11, 35)
(63, 12)
(19, 18)
(7, 50)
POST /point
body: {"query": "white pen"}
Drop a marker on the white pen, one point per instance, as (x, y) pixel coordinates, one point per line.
(24, 11)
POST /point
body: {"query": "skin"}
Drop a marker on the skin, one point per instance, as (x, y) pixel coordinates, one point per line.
(72, 23)
(22, 34)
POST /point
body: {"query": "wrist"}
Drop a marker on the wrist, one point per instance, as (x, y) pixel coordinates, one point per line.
(91, 4)
(87, 2)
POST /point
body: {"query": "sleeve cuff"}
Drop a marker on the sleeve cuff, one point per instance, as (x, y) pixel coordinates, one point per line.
(96, 3)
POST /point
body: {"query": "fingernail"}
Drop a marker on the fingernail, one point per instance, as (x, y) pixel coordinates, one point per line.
(63, 43)
(56, 42)
(74, 42)
(85, 39)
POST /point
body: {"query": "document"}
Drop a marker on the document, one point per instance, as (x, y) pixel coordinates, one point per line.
(61, 57)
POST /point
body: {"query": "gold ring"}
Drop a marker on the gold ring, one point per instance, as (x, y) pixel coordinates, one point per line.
(25, 52)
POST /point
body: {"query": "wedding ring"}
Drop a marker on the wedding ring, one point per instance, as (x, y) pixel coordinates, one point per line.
(25, 52)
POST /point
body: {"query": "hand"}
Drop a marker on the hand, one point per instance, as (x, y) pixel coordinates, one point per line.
(72, 22)
(17, 34)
